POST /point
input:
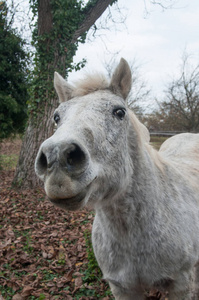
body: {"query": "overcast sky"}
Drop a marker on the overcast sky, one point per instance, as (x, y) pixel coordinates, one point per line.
(156, 39)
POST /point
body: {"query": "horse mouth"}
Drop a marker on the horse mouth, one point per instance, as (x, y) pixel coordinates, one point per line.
(71, 203)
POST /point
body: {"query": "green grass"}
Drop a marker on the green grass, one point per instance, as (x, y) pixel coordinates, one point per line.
(8, 162)
(93, 271)
(92, 276)
(156, 141)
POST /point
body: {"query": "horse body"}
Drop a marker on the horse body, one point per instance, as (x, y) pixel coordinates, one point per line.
(151, 234)
(146, 228)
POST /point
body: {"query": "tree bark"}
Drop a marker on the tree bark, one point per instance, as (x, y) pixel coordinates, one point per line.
(91, 17)
(40, 127)
(45, 19)
(35, 134)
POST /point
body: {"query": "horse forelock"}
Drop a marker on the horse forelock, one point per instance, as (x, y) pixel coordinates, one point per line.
(89, 84)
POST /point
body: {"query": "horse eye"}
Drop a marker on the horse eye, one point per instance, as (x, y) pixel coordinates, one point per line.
(56, 118)
(119, 113)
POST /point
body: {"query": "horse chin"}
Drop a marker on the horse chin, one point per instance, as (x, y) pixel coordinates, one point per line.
(69, 196)
(74, 203)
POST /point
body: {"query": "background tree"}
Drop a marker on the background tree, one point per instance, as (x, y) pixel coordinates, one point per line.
(61, 25)
(181, 107)
(139, 97)
(13, 78)
(161, 120)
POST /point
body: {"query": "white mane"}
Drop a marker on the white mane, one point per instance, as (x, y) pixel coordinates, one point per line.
(89, 84)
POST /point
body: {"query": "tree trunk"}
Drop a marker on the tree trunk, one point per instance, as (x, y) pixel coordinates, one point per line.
(40, 125)
(45, 19)
(36, 132)
(90, 17)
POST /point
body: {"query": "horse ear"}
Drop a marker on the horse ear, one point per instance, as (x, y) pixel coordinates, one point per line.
(64, 90)
(121, 79)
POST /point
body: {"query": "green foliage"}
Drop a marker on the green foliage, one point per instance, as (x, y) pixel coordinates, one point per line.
(7, 292)
(42, 297)
(54, 49)
(93, 271)
(13, 78)
(92, 275)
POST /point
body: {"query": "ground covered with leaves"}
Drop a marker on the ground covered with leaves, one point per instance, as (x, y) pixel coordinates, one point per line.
(45, 253)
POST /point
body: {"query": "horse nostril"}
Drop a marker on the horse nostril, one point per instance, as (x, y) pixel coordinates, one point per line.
(75, 157)
(42, 163)
(69, 156)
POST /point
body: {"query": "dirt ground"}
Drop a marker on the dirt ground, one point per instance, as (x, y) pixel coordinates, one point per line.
(45, 253)
(10, 146)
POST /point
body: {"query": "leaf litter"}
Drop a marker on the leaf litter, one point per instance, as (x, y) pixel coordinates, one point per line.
(43, 249)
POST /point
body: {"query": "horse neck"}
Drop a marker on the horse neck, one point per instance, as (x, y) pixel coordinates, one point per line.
(148, 165)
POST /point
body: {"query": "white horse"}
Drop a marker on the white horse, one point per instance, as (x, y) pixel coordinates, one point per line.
(146, 228)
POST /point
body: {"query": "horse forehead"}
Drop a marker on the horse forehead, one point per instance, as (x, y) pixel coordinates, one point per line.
(99, 100)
